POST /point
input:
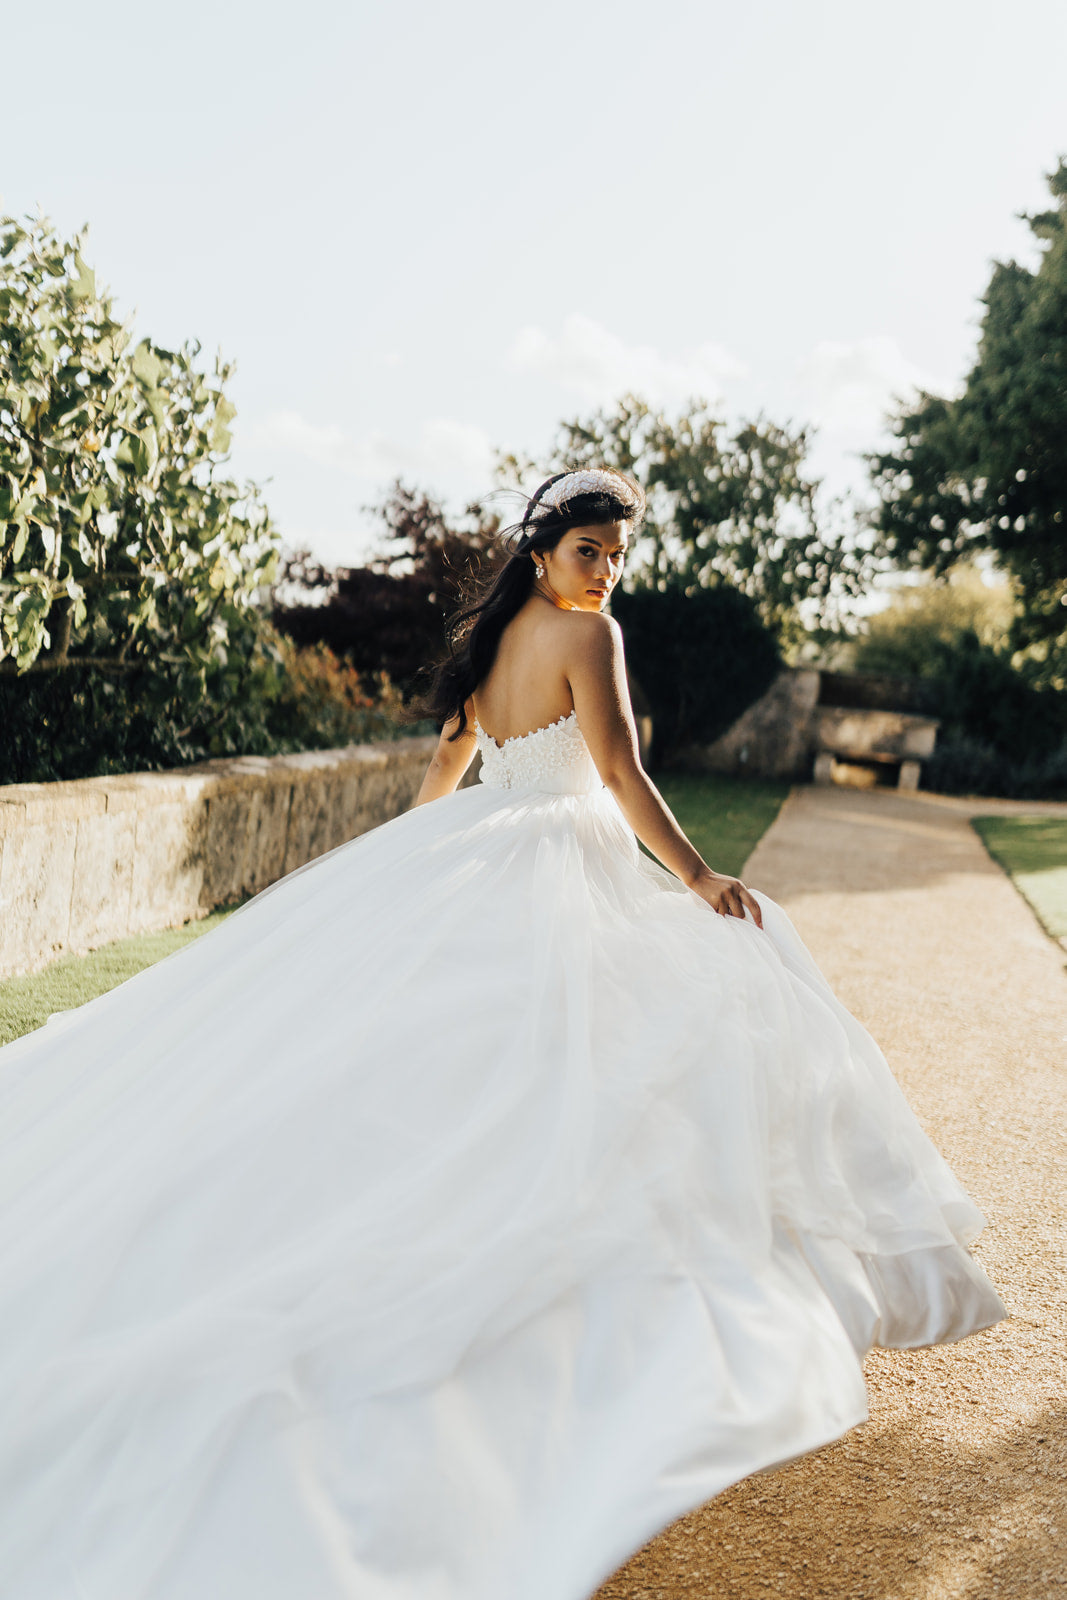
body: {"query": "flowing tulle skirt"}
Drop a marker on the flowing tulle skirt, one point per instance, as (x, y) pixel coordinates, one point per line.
(462, 1209)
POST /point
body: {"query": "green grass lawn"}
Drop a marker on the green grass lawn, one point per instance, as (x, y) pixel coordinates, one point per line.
(1033, 852)
(27, 1002)
(724, 818)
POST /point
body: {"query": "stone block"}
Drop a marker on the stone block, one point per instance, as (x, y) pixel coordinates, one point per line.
(168, 870)
(12, 813)
(920, 736)
(103, 879)
(227, 844)
(771, 739)
(268, 829)
(357, 793)
(910, 772)
(36, 883)
(359, 800)
(45, 803)
(874, 735)
(311, 823)
(139, 791)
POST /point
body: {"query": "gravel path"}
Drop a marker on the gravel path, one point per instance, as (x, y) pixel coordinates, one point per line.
(957, 1485)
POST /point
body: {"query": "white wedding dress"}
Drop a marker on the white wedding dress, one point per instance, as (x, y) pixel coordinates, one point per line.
(464, 1208)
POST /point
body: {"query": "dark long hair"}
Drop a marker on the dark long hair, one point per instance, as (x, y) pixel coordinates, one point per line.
(473, 633)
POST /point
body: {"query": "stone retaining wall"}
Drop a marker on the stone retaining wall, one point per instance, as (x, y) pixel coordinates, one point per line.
(93, 860)
(815, 724)
(772, 739)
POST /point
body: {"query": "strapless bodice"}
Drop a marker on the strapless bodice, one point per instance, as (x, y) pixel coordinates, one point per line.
(555, 759)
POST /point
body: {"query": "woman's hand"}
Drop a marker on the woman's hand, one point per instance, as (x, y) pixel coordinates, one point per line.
(727, 896)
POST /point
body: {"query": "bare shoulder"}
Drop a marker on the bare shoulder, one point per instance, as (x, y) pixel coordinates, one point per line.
(595, 624)
(591, 634)
(564, 632)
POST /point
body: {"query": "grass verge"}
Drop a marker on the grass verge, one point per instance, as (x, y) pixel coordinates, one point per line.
(27, 1002)
(724, 817)
(1033, 852)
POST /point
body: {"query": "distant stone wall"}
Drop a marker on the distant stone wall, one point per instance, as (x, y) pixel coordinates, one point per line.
(772, 739)
(830, 726)
(93, 860)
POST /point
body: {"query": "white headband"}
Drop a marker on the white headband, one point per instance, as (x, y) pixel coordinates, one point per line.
(592, 480)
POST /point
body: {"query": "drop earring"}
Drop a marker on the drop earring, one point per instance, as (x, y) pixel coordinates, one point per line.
(539, 569)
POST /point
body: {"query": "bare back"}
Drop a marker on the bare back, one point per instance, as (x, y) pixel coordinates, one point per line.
(527, 686)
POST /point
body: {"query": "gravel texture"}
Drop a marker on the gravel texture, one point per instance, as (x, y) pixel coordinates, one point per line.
(957, 1484)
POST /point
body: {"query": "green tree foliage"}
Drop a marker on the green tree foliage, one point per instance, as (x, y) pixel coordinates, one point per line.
(908, 637)
(134, 573)
(84, 723)
(999, 734)
(124, 546)
(324, 702)
(989, 470)
(389, 614)
(734, 510)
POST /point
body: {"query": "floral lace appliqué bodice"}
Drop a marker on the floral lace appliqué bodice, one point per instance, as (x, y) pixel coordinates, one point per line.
(555, 759)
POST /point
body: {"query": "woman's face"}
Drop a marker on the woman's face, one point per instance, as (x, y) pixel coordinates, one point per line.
(586, 565)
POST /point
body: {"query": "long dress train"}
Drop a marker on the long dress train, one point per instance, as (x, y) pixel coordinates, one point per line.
(464, 1208)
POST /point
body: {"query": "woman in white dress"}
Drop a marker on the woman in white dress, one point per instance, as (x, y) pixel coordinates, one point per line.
(473, 1201)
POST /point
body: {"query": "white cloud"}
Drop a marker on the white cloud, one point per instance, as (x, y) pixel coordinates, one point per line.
(321, 477)
(850, 386)
(456, 447)
(847, 389)
(291, 434)
(444, 451)
(590, 360)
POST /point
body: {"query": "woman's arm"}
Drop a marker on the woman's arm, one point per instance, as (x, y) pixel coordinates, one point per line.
(450, 761)
(596, 673)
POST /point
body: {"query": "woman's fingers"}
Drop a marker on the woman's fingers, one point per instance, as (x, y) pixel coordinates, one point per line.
(753, 905)
(728, 897)
(733, 900)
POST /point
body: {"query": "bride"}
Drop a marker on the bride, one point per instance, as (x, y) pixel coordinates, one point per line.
(472, 1202)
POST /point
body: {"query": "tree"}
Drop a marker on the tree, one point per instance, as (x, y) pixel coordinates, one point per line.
(949, 636)
(700, 656)
(124, 546)
(988, 470)
(723, 509)
(908, 638)
(389, 614)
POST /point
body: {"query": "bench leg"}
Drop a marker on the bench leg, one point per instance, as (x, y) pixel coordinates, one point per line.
(824, 767)
(909, 775)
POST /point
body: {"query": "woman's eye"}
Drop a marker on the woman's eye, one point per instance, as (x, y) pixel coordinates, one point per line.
(590, 551)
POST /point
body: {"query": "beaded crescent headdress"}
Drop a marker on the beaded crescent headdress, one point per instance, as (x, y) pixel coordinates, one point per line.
(567, 485)
(590, 480)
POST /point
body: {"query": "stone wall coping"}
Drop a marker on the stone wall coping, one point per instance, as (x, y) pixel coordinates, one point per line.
(26, 803)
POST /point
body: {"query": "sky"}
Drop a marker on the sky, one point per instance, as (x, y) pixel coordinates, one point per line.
(423, 232)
